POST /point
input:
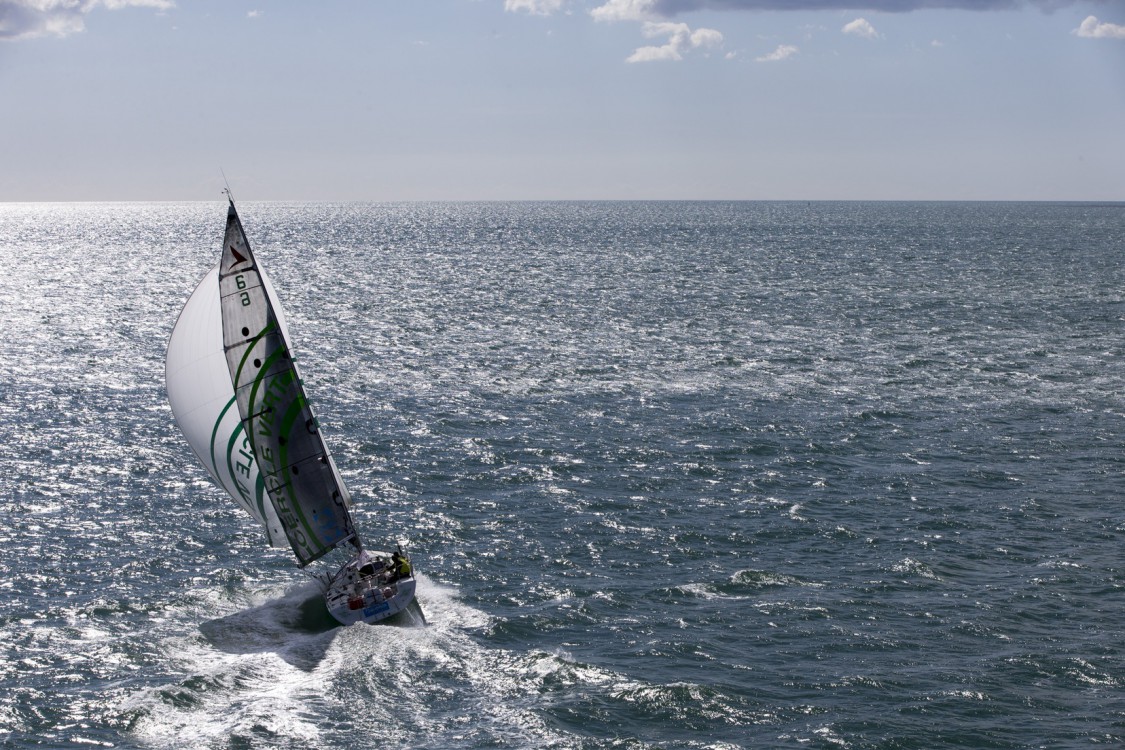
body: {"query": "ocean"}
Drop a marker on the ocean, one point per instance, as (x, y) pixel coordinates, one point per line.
(673, 475)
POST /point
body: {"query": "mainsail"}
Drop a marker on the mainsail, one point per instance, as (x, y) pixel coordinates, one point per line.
(302, 481)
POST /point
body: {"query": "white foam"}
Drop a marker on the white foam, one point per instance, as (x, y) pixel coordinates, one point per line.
(251, 674)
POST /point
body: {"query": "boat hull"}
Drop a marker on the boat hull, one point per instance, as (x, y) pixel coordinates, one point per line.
(366, 589)
(378, 609)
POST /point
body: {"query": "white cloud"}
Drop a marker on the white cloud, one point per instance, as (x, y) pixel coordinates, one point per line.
(534, 7)
(28, 19)
(861, 27)
(706, 38)
(670, 8)
(680, 39)
(625, 10)
(783, 52)
(654, 54)
(1092, 28)
(110, 4)
(254, 14)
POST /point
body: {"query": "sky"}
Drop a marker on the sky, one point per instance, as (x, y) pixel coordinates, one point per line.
(378, 100)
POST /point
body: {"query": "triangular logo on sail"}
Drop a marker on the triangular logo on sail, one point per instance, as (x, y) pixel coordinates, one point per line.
(238, 258)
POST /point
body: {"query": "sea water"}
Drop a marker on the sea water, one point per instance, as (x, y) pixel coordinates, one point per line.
(673, 475)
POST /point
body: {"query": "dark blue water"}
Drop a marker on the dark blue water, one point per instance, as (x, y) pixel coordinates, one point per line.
(675, 475)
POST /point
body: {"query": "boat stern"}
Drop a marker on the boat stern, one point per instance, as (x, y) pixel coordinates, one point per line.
(368, 589)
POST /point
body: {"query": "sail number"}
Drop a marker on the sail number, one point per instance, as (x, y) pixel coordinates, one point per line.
(240, 282)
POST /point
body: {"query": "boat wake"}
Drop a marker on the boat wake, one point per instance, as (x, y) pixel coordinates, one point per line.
(295, 626)
(279, 674)
(289, 626)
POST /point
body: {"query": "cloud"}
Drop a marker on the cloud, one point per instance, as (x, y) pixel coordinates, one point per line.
(626, 10)
(655, 12)
(861, 27)
(533, 7)
(620, 10)
(680, 39)
(1092, 28)
(783, 52)
(28, 19)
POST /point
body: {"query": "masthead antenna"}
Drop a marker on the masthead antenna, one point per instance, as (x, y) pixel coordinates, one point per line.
(226, 190)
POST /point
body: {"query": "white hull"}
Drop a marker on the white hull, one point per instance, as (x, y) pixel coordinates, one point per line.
(366, 589)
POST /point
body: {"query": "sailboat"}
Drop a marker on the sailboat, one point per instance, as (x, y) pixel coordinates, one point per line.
(238, 398)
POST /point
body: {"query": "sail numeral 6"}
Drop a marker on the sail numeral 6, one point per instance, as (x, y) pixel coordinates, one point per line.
(240, 282)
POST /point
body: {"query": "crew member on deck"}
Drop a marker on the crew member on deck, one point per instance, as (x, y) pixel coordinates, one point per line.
(400, 565)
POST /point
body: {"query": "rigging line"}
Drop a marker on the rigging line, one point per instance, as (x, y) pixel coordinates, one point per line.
(226, 191)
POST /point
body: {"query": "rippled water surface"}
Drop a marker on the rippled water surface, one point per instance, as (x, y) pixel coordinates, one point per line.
(675, 475)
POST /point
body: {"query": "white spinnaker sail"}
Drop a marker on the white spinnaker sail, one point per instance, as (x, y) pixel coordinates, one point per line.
(202, 399)
(300, 477)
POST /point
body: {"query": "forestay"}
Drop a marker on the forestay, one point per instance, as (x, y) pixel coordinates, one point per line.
(298, 474)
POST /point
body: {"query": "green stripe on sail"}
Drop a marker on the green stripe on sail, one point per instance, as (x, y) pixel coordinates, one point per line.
(260, 496)
(246, 355)
(260, 492)
(314, 543)
(215, 432)
(284, 427)
(230, 463)
(259, 484)
(256, 385)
